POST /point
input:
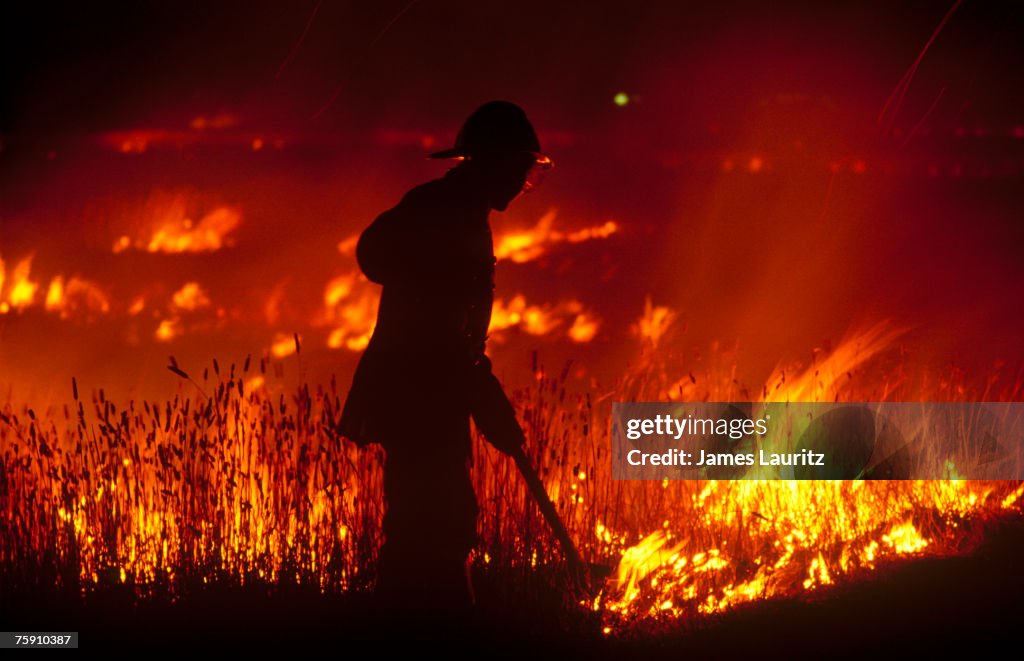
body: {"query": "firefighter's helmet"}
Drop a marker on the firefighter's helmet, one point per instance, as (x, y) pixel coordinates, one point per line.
(496, 127)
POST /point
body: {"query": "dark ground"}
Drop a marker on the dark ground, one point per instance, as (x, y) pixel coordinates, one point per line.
(926, 605)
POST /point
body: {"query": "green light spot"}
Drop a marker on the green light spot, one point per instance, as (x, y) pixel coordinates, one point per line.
(621, 99)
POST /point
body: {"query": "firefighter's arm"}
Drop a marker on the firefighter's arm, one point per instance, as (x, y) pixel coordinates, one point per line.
(493, 413)
(478, 315)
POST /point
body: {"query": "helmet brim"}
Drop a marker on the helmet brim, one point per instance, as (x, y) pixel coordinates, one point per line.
(448, 153)
(542, 159)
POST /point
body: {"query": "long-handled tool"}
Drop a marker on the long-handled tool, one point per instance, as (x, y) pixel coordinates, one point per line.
(580, 570)
(496, 419)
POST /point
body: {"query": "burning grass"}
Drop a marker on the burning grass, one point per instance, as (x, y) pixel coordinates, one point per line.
(234, 480)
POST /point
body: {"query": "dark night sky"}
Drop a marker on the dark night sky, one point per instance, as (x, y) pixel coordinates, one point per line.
(87, 66)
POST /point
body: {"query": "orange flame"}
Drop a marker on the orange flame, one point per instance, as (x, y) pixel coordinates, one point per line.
(350, 307)
(822, 381)
(76, 296)
(265, 509)
(168, 329)
(584, 328)
(21, 291)
(654, 323)
(283, 345)
(190, 297)
(795, 547)
(175, 231)
(788, 546)
(527, 245)
(543, 319)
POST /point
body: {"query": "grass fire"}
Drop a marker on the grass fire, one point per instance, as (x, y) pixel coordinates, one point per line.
(744, 206)
(234, 480)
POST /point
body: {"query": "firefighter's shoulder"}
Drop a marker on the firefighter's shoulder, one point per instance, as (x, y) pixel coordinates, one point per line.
(450, 195)
(434, 193)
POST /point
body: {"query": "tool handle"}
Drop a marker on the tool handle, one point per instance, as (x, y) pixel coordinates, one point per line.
(547, 508)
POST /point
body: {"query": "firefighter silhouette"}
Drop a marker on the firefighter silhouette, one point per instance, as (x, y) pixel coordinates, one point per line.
(424, 372)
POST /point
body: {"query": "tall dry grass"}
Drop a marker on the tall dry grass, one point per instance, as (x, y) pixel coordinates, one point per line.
(233, 480)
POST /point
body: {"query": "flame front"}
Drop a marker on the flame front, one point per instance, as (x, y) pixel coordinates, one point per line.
(755, 539)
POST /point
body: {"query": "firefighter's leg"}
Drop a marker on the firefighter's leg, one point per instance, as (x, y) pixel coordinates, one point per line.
(430, 524)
